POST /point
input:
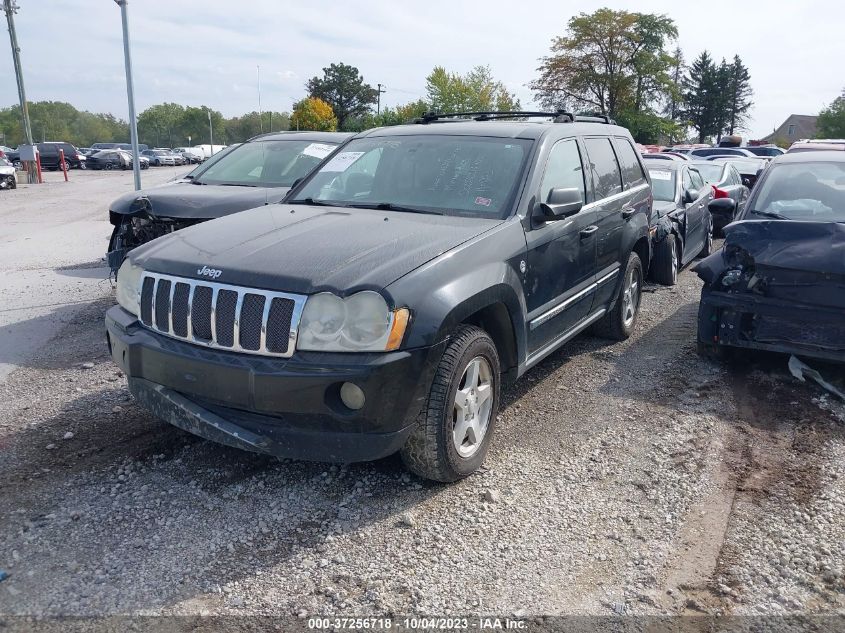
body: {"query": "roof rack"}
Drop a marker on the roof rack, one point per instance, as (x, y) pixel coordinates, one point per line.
(559, 116)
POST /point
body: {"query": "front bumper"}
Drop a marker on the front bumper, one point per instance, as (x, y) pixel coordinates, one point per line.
(750, 321)
(287, 407)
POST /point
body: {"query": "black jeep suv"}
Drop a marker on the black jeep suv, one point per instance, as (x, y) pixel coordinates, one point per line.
(383, 304)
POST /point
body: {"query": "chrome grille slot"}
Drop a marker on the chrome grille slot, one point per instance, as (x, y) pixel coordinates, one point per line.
(224, 324)
(179, 311)
(281, 311)
(147, 301)
(252, 313)
(221, 316)
(162, 305)
(201, 312)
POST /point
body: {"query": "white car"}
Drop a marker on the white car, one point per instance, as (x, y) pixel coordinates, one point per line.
(8, 179)
(159, 157)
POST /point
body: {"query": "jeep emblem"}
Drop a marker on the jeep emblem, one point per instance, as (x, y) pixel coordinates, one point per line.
(214, 273)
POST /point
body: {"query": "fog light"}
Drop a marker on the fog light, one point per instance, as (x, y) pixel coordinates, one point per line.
(352, 396)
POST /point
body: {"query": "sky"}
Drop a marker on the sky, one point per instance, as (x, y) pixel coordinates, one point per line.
(208, 52)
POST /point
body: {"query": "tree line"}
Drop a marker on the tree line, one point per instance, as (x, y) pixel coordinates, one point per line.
(626, 65)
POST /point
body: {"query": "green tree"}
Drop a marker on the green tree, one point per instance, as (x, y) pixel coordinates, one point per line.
(160, 124)
(241, 128)
(313, 114)
(738, 93)
(194, 123)
(831, 122)
(703, 98)
(606, 62)
(59, 121)
(475, 91)
(343, 88)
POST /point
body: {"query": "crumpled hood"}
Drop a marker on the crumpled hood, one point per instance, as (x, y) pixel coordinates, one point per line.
(815, 247)
(184, 200)
(307, 249)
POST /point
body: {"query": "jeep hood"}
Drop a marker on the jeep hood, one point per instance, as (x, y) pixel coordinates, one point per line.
(307, 249)
(184, 200)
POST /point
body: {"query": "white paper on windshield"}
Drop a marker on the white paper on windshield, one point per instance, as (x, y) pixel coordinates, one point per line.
(318, 150)
(661, 175)
(342, 161)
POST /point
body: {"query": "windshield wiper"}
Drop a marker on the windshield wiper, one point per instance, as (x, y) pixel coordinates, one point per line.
(236, 184)
(769, 214)
(316, 202)
(389, 206)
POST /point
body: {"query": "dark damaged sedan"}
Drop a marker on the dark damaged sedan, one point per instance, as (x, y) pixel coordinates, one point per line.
(779, 282)
(258, 172)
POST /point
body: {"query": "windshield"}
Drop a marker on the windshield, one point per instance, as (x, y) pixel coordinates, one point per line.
(453, 175)
(748, 167)
(803, 191)
(662, 184)
(265, 163)
(710, 172)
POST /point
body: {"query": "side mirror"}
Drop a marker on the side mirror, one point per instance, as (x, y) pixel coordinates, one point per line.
(690, 196)
(722, 207)
(562, 203)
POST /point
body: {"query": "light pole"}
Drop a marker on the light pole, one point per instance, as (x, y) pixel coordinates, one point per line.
(130, 95)
(260, 122)
(11, 8)
(210, 131)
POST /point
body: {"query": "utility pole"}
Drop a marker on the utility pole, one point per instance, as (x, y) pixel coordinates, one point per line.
(130, 95)
(210, 132)
(10, 9)
(378, 102)
(260, 122)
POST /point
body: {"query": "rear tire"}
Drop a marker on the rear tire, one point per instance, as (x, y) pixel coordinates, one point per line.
(450, 439)
(619, 323)
(664, 266)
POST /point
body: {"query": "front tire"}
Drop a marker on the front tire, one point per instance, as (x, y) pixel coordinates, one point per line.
(455, 428)
(664, 267)
(619, 323)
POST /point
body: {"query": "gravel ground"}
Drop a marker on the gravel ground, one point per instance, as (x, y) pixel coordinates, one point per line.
(631, 478)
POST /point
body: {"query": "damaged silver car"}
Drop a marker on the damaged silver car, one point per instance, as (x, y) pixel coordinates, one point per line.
(258, 172)
(778, 284)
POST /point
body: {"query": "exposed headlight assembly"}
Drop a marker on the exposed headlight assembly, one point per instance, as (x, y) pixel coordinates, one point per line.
(362, 322)
(129, 286)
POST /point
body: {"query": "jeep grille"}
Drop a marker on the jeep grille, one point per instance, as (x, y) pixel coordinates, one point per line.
(221, 316)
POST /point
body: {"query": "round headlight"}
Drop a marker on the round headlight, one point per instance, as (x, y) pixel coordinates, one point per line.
(367, 318)
(324, 316)
(129, 286)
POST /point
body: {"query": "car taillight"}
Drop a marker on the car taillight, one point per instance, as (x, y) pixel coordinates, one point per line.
(719, 193)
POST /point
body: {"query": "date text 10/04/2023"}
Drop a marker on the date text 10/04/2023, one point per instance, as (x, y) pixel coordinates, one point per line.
(418, 623)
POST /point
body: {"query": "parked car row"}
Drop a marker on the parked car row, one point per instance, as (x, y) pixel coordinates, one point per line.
(357, 296)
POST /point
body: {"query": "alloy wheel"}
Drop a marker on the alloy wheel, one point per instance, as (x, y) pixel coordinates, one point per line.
(472, 406)
(630, 297)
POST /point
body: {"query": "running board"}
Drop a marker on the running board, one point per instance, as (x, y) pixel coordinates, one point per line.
(541, 353)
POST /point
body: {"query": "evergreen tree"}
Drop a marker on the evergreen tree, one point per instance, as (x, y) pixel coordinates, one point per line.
(702, 98)
(739, 95)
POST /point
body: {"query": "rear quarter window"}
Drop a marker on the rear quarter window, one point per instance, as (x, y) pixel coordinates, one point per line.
(632, 171)
(607, 176)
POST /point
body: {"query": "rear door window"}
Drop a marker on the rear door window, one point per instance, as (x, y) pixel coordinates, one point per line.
(632, 171)
(607, 176)
(563, 169)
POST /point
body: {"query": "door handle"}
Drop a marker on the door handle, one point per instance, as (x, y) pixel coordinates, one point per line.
(587, 232)
(627, 213)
